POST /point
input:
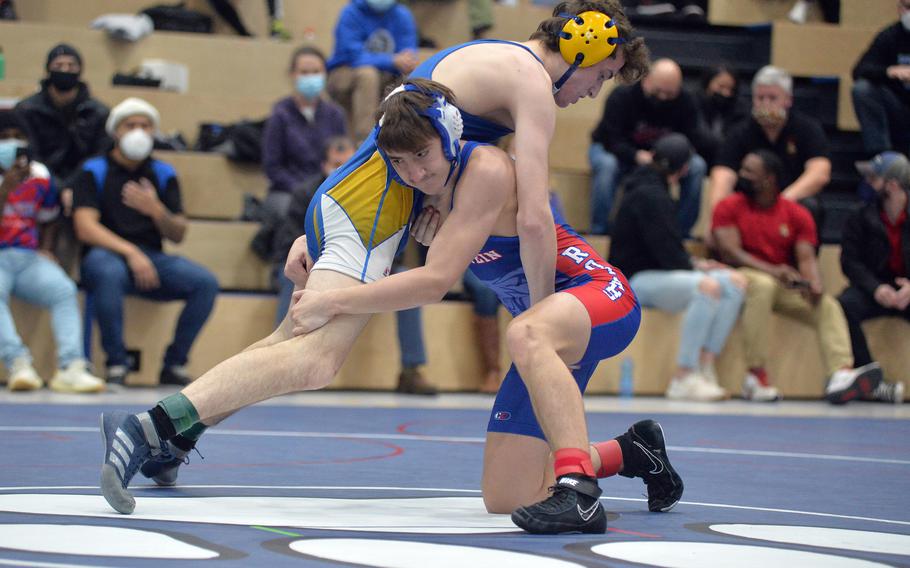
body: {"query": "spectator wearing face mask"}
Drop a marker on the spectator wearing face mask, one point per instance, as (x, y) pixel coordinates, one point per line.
(881, 92)
(126, 202)
(634, 118)
(719, 108)
(66, 126)
(293, 143)
(796, 139)
(375, 44)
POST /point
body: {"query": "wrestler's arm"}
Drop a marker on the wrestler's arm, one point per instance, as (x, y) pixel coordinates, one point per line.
(535, 121)
(481, 193)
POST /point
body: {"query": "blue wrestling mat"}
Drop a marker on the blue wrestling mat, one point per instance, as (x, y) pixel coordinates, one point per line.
(285, 485)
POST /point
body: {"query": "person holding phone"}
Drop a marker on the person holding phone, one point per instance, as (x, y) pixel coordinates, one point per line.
(29, 271)
(772, 240)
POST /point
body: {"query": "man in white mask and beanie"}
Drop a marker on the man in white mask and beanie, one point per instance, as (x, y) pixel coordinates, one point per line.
(126, 202)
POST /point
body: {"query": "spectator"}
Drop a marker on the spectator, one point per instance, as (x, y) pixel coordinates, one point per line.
(719, 109)
(66, 126)
(293, 143)
(797, 140)
(634, 117)
(647, 245)
(881, 89)
(773, 242)
(375, 44)
(28, 272)
(125, 203)
(875, 257)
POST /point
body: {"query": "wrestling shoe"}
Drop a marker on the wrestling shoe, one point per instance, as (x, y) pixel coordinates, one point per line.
(644, 455)
(163, 469)
(573, 507)
(849, 384)
(129, 440)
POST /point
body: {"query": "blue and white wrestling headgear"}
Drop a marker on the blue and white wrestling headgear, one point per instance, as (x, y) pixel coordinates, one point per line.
(445, 118)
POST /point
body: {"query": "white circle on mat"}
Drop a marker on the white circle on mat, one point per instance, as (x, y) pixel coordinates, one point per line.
(406, 554)
(843, 539)
(91, 540)
(714, 555)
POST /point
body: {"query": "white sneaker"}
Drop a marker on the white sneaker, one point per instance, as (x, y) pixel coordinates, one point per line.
(799, 12)
(76, 378)
(848, 384)
(692, 386)
(23, 377)
(755, 391)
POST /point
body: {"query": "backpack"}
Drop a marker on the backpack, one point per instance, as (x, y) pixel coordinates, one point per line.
(240, 141)
(98, 168)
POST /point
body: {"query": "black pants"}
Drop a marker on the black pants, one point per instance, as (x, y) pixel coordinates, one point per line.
(859, 307)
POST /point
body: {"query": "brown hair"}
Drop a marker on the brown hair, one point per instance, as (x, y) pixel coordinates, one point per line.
(404, 128)
(305, 50)
(634, 49)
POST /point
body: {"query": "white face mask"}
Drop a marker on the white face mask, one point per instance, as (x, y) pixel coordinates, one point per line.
(136, 144)
(905, 20)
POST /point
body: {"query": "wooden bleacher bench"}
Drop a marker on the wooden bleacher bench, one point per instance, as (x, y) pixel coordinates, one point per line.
(875, 13)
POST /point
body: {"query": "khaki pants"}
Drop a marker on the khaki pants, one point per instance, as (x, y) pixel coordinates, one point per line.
(766, 295)
(358, 90)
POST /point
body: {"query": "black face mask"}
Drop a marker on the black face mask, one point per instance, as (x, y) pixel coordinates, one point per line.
(721, 102)
(660, 106)
(63, 80)
(746, 187)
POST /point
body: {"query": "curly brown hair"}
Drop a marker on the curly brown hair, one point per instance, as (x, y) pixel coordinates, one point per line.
(634, 48)
(404, 128)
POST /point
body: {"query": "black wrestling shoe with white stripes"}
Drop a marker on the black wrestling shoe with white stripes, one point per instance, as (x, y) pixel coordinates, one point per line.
(573, 507)
(645, 456)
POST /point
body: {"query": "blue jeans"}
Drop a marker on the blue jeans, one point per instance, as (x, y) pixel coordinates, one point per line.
(607, 170)
(29, 276)
(107, 280)
(707, 322)
(884, 119)
(485, 301)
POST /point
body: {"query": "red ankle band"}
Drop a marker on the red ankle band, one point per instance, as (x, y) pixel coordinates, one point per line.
(610, 458)
(572, 460)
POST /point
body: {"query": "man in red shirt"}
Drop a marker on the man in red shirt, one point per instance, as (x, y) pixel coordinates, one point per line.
(772, 241)
(875, 257)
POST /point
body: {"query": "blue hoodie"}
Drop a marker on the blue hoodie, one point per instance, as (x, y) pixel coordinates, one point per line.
(364, 37)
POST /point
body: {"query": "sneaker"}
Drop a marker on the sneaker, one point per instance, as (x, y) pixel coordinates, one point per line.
(129, 440)
(279, 31)
(174, 375)
(888, 392)
(22, 376)
(573, 507)
(757, 389)
(116, 375)
(410, 381)
(693, 386)
(799, 12)
(76, 378)
(848, 384)
(647, 458)
(163, 469)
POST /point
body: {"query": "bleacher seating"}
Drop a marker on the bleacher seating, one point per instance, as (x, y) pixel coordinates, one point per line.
(234, 78)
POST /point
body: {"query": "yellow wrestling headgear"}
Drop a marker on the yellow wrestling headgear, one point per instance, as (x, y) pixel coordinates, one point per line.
(588, 38)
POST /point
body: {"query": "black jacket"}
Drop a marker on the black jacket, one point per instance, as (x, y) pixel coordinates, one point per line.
(645, 233)
(865, 249)
(63, 138)
(890, 47)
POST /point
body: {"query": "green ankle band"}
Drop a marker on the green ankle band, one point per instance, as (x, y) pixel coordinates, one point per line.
(180, 410)
(194, 431)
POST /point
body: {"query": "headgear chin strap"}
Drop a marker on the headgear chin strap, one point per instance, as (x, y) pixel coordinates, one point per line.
(445, 118)
(586, 39)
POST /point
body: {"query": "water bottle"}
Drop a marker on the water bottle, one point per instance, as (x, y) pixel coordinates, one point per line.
(2, 64)
(626, 378)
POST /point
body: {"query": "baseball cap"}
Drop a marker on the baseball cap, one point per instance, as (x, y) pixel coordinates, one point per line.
(880, 164)
(672, 152)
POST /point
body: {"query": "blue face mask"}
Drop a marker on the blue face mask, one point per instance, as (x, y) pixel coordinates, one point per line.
(8, 149)
(310, 85)
(380, 6)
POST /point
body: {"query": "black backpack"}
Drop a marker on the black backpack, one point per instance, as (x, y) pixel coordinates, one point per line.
(240, 141)
(177, 18)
